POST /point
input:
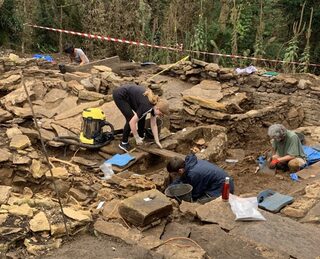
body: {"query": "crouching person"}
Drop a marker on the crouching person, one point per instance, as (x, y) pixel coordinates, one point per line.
(288, 151)
(206, 178)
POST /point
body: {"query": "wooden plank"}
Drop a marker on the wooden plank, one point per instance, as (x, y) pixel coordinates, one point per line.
(310, 171)
(112, 62)
(161, 152)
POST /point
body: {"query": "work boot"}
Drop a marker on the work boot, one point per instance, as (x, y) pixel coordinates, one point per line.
(125, 146)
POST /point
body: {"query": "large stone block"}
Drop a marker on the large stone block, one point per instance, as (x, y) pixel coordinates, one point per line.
(145, 208)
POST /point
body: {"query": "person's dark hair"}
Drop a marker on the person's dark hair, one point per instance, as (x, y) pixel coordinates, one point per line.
(175, 164)
(68, 48)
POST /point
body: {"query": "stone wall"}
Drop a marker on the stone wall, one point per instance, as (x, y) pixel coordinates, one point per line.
(301, 91)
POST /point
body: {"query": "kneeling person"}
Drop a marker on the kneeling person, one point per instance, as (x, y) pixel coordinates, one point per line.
(206, 178)
(288, 150)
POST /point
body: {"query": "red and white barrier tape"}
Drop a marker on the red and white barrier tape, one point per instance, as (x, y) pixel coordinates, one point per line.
(108, 38)
(180, 48)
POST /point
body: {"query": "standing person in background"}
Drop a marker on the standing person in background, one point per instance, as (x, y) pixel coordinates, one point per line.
(288, 150)
(76, 55)
(135, 102)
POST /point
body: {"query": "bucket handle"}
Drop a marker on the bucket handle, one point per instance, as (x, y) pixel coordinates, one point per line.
(178, 199)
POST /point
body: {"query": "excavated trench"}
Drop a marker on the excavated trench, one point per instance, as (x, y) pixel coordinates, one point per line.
(230, 131)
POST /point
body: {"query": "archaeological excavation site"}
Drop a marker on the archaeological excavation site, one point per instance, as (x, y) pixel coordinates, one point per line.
(62, 196)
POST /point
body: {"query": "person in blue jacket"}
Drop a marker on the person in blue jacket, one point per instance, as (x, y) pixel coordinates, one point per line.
(206, 178)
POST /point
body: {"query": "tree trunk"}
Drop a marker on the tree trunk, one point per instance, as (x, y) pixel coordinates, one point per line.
(224, 14)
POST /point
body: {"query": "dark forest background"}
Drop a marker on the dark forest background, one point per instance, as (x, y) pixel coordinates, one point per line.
(287, 30)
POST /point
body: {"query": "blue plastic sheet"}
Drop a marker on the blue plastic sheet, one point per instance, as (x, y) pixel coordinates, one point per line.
(120, 160)
(312, 154)
(44, 57)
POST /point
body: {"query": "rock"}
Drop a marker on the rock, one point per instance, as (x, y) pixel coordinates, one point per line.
(78, 109)
(5, 115)
(299, 208)
(113, 115)
(77, 194)
(37, 249)
(75, 86)
(58, 173)
(22, 210)
(110, 210)
(228, 246)
(313, 215)
(189, 209)
(88, 85)
(212, 67)
(21, 160)
(39, 222)
(12, 132)
(304, 84)
(36, 169)
(79, 215)
(216, 148)
(161, 179)
(4, 155)
(82, 161)
(172, 251)
(116, 230)
(5, 175)
(281, 234)
(20, 142)
(57, 229)
(313, 191)
(207, 89)
(90, 95)
(4, 194)
(217, 212)
(146, 207)
(175, 229)
(55, 95)
(9, 81)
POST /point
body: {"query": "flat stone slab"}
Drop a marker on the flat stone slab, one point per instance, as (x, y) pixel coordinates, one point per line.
(129, 236)
(219, 244)
(282, 234)
(4, 155)
(4, 193)
(145, 208)
(310, 171)
(313, 215)
(217, 212)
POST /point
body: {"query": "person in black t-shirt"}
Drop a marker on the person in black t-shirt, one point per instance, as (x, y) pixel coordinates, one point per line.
(135, 102)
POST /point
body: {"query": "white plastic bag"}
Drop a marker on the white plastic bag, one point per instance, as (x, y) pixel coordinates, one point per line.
(245, 209)
(107, 170)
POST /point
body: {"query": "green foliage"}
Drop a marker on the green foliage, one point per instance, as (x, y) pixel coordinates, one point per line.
(10, 24)
(199, 42)
(260, 28)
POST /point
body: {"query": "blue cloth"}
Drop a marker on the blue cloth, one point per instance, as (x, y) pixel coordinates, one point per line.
(312, 155)
(45, 57)
(120, 159)
(294, 177)
(206, 178)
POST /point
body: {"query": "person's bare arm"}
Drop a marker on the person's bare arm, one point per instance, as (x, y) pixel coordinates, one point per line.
(286, 158)
(83, 59)
(154, 129)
